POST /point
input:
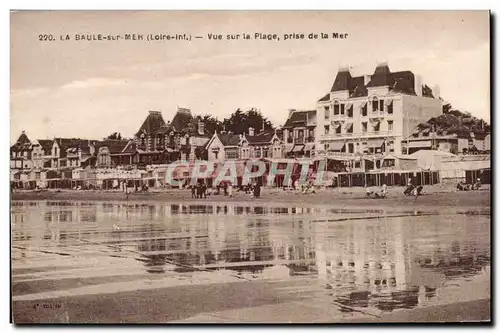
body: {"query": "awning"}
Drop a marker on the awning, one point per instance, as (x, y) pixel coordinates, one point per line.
(336, 145)
(336, 125)
(419, 144)
(389, 102)
(348, 126)
(288, 148)
(363, 105)
(374, 121)
(297, 148)
(309, 146)
(348, 106)
(377, 143)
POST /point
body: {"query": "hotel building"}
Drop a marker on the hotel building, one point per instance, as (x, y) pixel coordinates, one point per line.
(366, 117)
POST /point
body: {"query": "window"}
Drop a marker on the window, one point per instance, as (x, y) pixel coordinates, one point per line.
(350, 128)
(390, 109)
(390, 125)
(327, 112)
(336, 108)
(327, 129)
(364, 127)
(342, 109)
(376, 127)
(338, 130)
(350, 112)
(375, 104)
(350, 146)
(231, 154)
(327, 146)
(364, 110)
(381, 105)
(216, 153)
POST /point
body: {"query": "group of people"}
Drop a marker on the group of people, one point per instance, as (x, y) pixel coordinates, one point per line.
(463, 186)
(373, 194)
(201, 190)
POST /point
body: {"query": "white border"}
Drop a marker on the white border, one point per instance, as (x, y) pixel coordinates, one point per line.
(186, 4)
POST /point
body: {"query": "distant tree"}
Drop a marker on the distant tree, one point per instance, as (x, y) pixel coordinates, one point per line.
(114, 136)
(240, 121)
(212, 124)
(447, 107)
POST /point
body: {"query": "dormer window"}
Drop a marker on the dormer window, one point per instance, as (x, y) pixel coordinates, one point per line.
(336, 108)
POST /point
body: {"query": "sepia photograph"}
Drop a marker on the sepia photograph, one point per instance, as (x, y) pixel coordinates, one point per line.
(250, 167)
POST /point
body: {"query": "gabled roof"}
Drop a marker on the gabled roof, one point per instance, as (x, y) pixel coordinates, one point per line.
(325, 98)
(65, 143)
(151, 124)
(228, 139)
(300, 118)
(130, 147)
(264, 137)
(114, 146)
(45, 144)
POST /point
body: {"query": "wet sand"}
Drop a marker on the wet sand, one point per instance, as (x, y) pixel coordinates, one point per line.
(69, 269)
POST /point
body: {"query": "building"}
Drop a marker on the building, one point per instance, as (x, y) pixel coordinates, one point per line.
(299, 133)
(183, 138)
(262, 145)
(110, 153)
(372, 114)
(20, 153)
(41, 154)
(81, 153)
(224, 146)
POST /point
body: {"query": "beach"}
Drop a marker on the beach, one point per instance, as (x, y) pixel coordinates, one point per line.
(432, 196)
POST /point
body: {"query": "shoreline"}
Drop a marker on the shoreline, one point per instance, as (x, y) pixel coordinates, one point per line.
(433, 197)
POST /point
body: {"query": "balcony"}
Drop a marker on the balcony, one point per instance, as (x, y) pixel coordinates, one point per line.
(357, 135)
(299, 141)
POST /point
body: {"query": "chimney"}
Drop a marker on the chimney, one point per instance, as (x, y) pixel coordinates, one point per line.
(367, 79)
(251, 131)
(418, 85)
(201, 127)
(436, 91)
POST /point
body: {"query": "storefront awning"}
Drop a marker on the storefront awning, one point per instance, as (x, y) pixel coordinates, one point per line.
(377, 143)
(348, 126)
(336, 125)
(336, 145)
(297, 148)
(419, 144)
(389, 102)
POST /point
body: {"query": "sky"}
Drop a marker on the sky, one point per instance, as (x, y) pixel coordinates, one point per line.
(90, 89)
